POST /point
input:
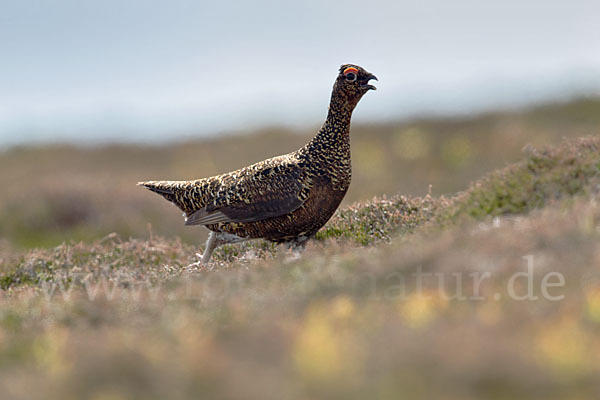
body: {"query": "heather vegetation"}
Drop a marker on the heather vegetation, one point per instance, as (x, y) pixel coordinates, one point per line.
(59, 193)
(489, 292)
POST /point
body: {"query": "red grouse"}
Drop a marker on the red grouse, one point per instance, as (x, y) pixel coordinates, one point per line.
(284, 199)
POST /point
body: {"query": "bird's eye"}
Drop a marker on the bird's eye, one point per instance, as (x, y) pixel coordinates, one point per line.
(351, 74)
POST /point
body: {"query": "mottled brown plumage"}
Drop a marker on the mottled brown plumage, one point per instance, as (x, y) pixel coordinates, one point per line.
(282, 199)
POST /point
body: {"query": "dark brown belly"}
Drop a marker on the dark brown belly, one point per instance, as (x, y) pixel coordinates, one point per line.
(322, 202)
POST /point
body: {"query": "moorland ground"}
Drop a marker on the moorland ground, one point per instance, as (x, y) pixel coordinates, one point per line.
(489, 291)
(52, 194)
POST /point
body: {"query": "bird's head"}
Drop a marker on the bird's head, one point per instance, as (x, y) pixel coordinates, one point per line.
(353, 82)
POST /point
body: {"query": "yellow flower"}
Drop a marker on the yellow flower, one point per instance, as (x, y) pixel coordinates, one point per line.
(342, 307)
(49, 351)
(317, 350)
(421, 308)
(564, 344)
(593, 304)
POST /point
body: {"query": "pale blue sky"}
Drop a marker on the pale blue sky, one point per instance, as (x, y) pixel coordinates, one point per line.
(146, 70)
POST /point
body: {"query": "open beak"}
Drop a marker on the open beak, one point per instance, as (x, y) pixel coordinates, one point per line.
(365, 82)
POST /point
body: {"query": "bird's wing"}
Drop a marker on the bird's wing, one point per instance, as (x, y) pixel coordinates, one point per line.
(257, 193)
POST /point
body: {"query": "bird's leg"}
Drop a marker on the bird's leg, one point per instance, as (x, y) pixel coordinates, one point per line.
(216, 239)
(211, 245)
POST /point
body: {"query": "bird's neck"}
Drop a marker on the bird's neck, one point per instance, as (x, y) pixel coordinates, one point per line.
(334, 136)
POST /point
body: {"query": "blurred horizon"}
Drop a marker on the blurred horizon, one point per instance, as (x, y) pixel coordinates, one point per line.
(151, 71)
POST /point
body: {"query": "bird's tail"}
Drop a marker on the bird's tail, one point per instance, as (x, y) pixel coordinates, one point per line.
(166, 189)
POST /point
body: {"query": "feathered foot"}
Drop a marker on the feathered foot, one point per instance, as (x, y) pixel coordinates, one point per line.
(215, 239)
(295, 248)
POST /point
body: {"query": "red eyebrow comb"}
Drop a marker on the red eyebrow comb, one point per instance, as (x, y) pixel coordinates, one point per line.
(350, 70)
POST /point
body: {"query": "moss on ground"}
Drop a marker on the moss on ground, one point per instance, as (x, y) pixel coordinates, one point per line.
(546, 175)
(378, 220)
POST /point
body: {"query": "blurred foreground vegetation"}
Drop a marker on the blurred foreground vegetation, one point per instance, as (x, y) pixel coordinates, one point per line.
(382, 305)
(59, 193)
